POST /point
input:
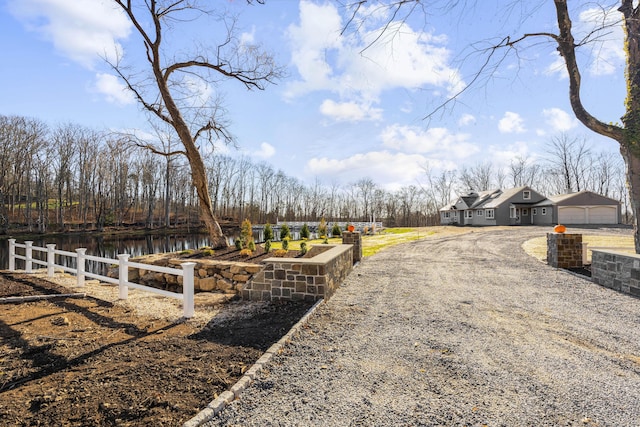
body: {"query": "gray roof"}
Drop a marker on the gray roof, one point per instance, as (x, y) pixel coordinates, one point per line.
(494, 202)
(559, 198)
(471, 200)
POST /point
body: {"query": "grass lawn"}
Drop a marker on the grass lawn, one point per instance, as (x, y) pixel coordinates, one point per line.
(372, 244)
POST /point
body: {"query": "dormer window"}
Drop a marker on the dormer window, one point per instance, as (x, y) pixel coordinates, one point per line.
(526, 195)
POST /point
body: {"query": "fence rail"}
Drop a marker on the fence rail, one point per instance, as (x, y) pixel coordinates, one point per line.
(187, 271)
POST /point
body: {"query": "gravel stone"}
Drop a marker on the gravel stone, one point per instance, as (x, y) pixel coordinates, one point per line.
(466, 330)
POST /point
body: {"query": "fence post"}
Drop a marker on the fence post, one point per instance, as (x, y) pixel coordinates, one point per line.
(51, 258)
(12, 254)
(81, 265)
(29, 256)
(187, 288)
(123, 276)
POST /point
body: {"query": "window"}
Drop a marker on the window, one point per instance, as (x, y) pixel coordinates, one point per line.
(489, 213)
(525, 212)
(479, 212)
(468, 214)
(446, 214)
(543, 211)
(526, 195)
(534, 211)
(512, 212)
(455, 215)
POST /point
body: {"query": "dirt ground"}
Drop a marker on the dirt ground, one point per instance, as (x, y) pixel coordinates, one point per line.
(74, 361)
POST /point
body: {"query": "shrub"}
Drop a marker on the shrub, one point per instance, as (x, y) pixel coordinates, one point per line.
(186, 252)
(251, 245)
(246, 252)
(284, 231)
(285, 243)
(280, 253)
(303, 248)
(208, 252)
(304, 231)
(322, 227)
(267, 246)
(239, 243)
(335, 231)
(325, 241)
(268, 232)
(246, 233)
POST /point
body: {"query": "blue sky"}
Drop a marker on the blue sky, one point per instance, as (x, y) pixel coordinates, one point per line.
(342, 113)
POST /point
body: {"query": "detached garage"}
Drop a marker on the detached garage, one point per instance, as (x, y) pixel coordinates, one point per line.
(584, 207)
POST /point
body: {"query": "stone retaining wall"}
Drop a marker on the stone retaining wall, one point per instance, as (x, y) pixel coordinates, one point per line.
(564, 250)
(302, 279)
(616, 270)
(210, 275)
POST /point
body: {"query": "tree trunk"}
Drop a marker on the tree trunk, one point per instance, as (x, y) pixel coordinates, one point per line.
(633, 183)
(199, 179)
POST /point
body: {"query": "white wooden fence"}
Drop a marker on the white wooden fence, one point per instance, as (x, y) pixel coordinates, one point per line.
(187, 271)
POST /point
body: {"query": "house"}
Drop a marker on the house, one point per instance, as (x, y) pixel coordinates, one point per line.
(583, 207)
(493, 207)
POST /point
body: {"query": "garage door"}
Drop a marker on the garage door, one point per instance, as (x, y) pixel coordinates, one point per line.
(603, 215)
(587, 215)
(571, 215)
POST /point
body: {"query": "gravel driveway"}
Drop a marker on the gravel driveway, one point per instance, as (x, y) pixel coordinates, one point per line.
(465, 330)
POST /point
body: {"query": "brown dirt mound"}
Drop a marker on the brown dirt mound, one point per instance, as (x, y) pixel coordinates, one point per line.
(84, 361)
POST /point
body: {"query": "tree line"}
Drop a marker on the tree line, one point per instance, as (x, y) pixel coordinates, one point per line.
(72, 177)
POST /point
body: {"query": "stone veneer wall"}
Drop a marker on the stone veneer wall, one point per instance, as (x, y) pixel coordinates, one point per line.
(616, 270)
(210, 275)
(564, 250)
(302, 279)
(353, 238)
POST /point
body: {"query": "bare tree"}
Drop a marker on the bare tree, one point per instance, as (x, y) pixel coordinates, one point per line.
(523, 171)
(479, 177)
(171, 99)
(569, 159)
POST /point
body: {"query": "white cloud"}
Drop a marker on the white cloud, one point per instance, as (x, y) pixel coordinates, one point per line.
(349, 111)
(199, 91)
(114, 90)
(438, 142)
(607, 49)
(266, 151)
(83, 31)
(557, 67)
(511, 123)
(502, 155)
(404, 58)
(559, 120)
(466, 120)
(393, 169)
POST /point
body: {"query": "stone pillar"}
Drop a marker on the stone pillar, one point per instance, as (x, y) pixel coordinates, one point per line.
(353, 238)
(564, 250)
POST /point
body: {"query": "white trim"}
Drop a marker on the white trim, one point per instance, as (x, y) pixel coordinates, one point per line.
(489, 213)
(526, 195)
